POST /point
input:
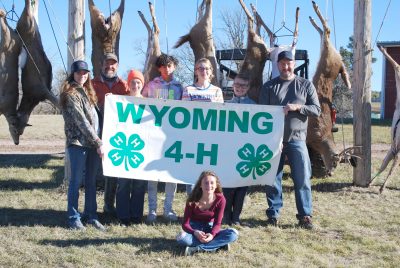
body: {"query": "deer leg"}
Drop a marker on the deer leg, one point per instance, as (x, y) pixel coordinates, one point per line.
(394, 164)
(345, 77)
(323, 21)
(389, 156)
(249, 16)
(153, 18)
(319, 30)
(296, 27)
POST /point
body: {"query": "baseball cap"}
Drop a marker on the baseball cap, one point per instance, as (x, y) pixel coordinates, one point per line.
(79, 65)
(285, 55)
(110, 56)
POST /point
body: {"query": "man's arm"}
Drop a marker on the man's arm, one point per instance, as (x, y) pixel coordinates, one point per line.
(312, 106)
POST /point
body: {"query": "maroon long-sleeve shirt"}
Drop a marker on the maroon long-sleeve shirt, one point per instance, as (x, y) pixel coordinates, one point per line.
(214, 214)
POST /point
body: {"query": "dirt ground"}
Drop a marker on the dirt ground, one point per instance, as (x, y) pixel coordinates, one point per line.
(52, 146)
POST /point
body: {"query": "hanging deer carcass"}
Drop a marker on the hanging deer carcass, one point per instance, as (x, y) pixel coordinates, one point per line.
(393, 152)
(105, 33)
(256, 54)
(330, 65)
(200, 38)
(10, 48)
(36, 73)
(150, 70)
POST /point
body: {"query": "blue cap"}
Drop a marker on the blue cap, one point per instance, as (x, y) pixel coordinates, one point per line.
(285, 55)
(79, 65)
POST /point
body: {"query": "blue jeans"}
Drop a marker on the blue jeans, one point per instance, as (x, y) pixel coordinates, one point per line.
(300, 170)
(224, 237)
(170, 190)
(84, 165)
(130, 199)
(234, 203)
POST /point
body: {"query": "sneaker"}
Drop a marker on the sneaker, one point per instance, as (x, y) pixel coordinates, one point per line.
(236, 223)
(152, 217)
(189, 251)
(76, 225)
(306, 223)
(272, 222)
(170, 216)
(227, 247)
(96, 224)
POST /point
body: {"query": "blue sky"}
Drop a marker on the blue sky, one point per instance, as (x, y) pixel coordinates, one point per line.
(177, 16)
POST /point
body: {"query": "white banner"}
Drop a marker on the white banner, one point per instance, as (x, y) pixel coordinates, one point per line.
(174, 141)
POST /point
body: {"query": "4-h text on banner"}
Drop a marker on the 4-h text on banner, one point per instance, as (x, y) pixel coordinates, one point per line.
(174, 141)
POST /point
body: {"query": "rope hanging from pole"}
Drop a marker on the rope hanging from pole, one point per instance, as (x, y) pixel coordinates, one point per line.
(334, 24)
(55, 38)
(62, 32)
(166, 25)
(383, 20)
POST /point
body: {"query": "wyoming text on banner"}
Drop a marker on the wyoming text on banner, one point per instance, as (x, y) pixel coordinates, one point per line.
(174, 141)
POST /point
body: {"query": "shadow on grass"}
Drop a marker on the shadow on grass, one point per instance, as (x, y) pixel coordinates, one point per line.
(31, 161)
(330, 186)
(158, 244)
(27, 160)
(31, 217)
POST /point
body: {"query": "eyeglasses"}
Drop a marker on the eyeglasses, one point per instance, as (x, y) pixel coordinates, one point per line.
(201, 69)
(243, 86)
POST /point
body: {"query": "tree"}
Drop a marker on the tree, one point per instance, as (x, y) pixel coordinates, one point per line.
(342, 96)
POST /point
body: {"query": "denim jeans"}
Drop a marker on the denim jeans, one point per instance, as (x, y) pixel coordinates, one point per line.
(130, 198)
(300, 170)
(170, 190)
(234, 203)
(189, 189)
(84, 165)
(224, 237)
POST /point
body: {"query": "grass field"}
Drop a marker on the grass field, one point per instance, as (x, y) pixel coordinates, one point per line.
(355, 227)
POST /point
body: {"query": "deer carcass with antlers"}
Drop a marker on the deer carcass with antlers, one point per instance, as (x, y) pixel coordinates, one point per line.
(37, 73)
(330, 65)
(257, 54)
(392, 154)
(105, 33)
(150, 70)
(10, 48)
(200, 38)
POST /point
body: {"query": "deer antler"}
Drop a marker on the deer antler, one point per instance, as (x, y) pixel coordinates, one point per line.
(348, 155)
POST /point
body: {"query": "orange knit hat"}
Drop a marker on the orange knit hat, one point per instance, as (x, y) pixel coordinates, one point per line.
(135, 74)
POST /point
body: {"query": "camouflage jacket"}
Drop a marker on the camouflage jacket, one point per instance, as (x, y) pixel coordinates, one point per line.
(78, 119)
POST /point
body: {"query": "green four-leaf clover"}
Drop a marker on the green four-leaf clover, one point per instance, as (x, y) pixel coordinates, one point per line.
(126, 152)
(255, 162)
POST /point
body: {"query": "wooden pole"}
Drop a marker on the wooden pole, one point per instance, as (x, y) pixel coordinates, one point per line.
(362, 59)
(76, 31)
(76, 50)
